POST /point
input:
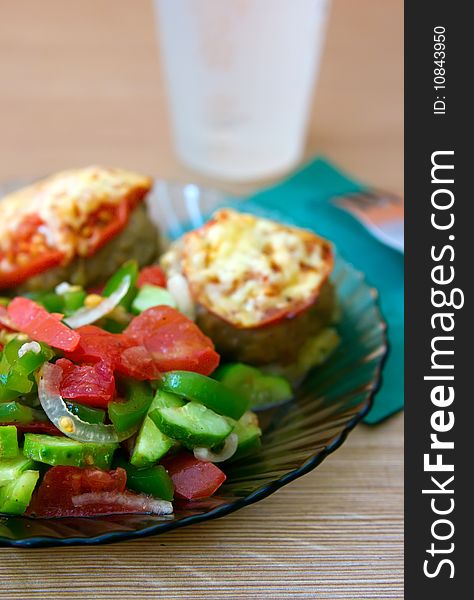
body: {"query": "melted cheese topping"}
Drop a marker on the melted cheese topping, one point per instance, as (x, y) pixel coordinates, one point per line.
(250, 270)
(64, 203)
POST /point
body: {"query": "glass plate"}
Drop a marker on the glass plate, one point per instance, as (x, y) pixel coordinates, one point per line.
(298, 436)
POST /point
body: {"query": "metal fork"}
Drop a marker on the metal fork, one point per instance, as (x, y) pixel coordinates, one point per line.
(381, 213)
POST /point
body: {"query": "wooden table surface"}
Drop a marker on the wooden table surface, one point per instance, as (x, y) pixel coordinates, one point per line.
(81, 83)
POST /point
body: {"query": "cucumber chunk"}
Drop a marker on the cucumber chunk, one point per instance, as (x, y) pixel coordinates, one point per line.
(151, 444)
(152, 295)
(249, 435)
(192, 424)
(8, 442)
(11, 469)
(16, 495)
(55, 450)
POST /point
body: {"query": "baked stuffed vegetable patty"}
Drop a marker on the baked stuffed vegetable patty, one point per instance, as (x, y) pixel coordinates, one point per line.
(261, 289)
(77, 226)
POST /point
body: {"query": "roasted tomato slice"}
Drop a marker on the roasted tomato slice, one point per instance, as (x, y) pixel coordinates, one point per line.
(54, 497)
(153, 275)
(193, 479)
(105, 224)
(173, 340)
(93, 385)
(28, 254)
(122, 353)
(40, 325)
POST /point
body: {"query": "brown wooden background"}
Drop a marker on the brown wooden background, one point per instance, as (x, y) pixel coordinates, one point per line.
(80, 82)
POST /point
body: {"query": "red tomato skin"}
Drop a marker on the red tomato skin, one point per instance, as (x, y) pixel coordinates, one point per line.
(93, 385)
(137, 362)
(41, 326)
(153, 275)
(174, 341)
(36, 427)
(123, 354)
(96, 344)
(193, 479)
(60, 484)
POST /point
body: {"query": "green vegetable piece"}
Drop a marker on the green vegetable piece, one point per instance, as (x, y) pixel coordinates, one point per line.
(86, 413)
(14, 412)
(16, 495)
(153, 481)
(127, 414)
(56, 450)
(207, 391)
(152, 444)
(192, 424)
(8, 442)
(151, 295)
(73, 300)
(52, 302)
(249, 435)
(128, 268)
(261, 390)
(15, 369)
(12, 468)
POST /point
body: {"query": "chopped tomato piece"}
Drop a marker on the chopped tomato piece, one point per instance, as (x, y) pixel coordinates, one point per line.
(192, 478)
(123, 354)
(54, 497)
(153, 275)
(36, 427)
(93, 385)
(138, 363)
(41, 326)
(97, 344)
(173, 340)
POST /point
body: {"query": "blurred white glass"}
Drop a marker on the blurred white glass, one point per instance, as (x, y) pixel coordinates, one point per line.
(240, 77)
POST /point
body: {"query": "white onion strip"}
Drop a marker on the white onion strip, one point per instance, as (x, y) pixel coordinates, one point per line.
(135, 503)
(69, 424)
(178, 287)
(229, 449)
(86, 316)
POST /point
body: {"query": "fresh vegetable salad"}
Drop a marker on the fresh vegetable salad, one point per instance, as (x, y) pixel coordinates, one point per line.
(112, 400)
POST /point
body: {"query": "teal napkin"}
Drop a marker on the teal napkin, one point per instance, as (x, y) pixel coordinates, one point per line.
(304, 199)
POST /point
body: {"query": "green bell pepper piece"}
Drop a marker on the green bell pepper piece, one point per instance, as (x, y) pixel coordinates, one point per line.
(86, 413)
(8, 442)
(207, 391)
(15, 371)
(125, 415)
(153, 481)
(128, 268)
(261, 390)
(73, 300)
(14, 412)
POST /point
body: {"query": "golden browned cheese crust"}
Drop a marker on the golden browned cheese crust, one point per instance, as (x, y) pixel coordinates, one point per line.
(261, 288)
(250, 271)
(64, 209)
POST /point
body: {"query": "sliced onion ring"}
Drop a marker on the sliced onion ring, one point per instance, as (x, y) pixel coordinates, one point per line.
(135, 503)
(65, 421)
(228, 450)
(86, 316)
